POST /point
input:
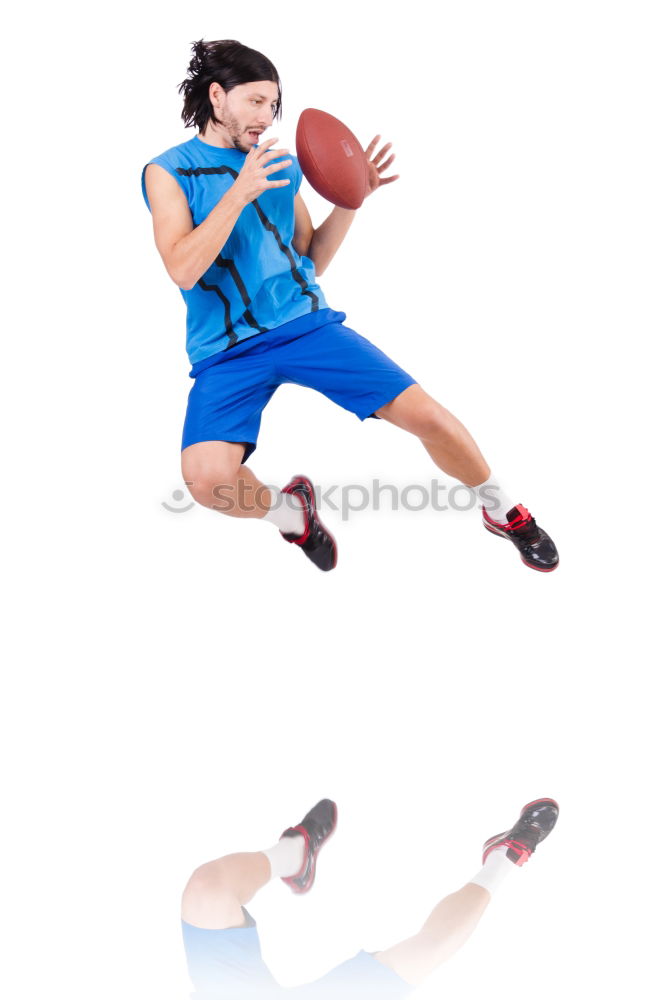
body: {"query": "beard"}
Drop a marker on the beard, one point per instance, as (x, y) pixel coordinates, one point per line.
(235, 132)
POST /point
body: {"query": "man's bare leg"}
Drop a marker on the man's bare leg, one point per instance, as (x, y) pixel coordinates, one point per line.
(216, 891)
(455, 918)
(450, 924)
(448, 442)
(216, 478)
(455, 452)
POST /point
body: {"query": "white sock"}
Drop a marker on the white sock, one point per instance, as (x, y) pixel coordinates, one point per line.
(286, 512)
(497, 503)
(497, 866)
(286, 857)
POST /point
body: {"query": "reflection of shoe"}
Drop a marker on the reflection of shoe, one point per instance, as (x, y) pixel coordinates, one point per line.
(536, 548)
(318, 543)
(537, 820)
(316, 827)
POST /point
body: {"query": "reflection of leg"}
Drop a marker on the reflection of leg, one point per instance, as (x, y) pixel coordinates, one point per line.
(454, 919)
(217, 891)
(449, 925)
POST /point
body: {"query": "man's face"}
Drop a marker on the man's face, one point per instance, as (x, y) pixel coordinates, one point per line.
(246, 111)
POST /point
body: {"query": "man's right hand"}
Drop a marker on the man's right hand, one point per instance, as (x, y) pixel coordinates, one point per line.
(253, 179)
(188, 250)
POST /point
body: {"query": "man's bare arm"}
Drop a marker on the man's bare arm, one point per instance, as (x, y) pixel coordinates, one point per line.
(322, 243)
(188, 252)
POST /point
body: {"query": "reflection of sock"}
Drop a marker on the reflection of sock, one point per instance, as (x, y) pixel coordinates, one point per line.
(286, 513)
(286, 857)
(496, 867)
(497, 503)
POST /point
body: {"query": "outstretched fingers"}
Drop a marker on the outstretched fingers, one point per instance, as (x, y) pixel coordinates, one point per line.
(370, 148)
(377, 159)
(387, 164)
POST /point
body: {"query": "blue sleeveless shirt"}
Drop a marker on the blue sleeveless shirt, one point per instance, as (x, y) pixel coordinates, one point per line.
(258, 280)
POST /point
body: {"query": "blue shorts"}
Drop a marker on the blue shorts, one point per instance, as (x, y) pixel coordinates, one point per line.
(232, 388)
(228, 965)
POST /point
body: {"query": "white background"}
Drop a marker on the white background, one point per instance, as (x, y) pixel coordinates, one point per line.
(180, 686)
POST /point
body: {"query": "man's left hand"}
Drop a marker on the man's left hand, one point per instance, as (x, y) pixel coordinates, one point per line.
(377, 165)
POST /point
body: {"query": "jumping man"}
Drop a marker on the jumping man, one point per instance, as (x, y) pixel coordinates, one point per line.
(236, 237)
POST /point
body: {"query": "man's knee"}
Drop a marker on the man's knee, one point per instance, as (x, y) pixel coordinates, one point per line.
(430, 421)
(211, 881)
(420, 414)
(210, 485)
(211, 900)
(211, 491)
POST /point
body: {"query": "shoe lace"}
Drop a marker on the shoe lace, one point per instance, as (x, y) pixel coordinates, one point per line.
(524, 526)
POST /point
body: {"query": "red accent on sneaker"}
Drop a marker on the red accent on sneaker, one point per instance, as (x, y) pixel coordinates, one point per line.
(523, 851)
(307, 517)
(306, 851)
(523, 517)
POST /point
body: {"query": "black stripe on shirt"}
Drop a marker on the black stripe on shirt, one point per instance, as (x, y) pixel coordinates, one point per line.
(269, 226)
(228, 315)
(230, 265)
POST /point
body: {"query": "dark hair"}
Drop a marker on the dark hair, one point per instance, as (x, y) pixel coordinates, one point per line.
(228, 63)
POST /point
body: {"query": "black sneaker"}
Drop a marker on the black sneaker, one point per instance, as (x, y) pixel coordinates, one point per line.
(318, 543)
(536, 548)
(316, 827)
(536, 821)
